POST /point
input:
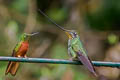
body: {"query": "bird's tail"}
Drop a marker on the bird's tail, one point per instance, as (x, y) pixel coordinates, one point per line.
(12, 68)
(87, 63)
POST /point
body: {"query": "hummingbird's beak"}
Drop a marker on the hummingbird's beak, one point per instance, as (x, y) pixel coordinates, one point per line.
(69, 35)
(32, 34)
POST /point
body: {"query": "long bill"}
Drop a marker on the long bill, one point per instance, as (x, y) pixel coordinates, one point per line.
(51, 20)
(32, 34)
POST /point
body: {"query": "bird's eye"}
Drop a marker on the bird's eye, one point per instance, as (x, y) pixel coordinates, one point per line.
(75, 34)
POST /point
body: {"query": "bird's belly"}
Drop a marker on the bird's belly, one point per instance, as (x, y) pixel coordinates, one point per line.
(22, 50)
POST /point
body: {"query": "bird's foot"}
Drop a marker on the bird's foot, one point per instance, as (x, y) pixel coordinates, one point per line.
(25, 56)
(19, 56)
(71, 59)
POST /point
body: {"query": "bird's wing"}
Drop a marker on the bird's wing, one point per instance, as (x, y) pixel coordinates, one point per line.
(86, 62)
(10, 64)
(16, 49)
(82, 56)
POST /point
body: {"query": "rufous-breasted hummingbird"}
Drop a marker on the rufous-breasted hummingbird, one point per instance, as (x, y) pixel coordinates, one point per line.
(75, 47)
(20, 50)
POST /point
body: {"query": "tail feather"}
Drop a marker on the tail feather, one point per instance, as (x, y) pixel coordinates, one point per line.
(94, 72)
(87, 63)
(12, 68)
(8, 67)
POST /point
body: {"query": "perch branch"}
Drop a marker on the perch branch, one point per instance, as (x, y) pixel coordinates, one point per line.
(58, 61)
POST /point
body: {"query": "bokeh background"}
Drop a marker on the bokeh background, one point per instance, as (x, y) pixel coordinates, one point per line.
(98, 25)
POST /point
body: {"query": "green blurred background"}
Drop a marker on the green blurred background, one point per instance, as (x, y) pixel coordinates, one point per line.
(98, 25)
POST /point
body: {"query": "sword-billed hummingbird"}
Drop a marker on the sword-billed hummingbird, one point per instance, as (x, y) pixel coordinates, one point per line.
(75, 47)
(20, 50)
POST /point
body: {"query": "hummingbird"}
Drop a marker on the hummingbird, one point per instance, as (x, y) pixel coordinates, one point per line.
(20, 50)
(75, 47)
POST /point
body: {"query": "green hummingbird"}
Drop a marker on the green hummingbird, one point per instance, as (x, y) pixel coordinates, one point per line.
(75, 47)
(20, 50)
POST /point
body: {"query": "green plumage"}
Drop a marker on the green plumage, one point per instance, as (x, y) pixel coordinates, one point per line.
(17, 46)
(75, 45)
(22, 39)
(77, 51)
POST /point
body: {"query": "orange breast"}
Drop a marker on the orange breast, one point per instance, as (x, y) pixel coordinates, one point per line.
(23, 49)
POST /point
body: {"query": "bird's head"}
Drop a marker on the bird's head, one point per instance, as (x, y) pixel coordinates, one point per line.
(25, 36)
(71, 34)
